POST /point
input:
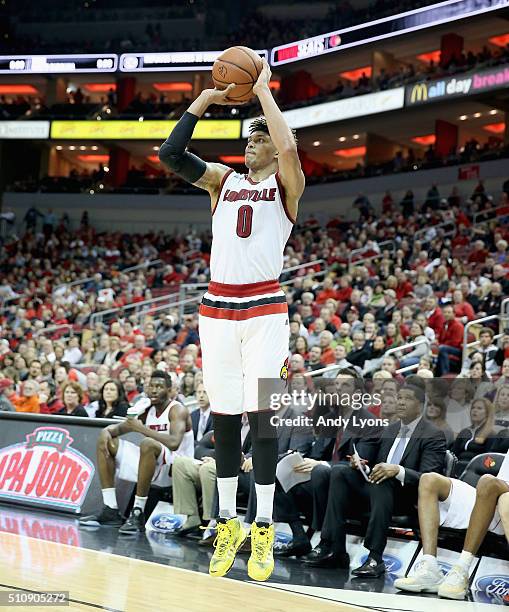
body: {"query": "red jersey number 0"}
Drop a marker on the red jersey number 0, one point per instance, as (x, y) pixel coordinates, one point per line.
(244, 221)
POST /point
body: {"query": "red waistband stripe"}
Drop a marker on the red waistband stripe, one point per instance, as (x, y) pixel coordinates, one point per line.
(247, 290)
(242, 315)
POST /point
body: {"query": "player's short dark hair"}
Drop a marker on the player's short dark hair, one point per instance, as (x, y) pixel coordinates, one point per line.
(164, 376)
(260, 125)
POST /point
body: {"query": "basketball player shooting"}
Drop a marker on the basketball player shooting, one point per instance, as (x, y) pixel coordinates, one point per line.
(244, 328)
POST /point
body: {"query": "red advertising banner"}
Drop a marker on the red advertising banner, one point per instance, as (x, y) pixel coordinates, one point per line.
(45, 469)
(468, 173)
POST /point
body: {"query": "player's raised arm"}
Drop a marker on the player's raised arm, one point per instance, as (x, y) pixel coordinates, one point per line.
(290, 170)
(173, 152)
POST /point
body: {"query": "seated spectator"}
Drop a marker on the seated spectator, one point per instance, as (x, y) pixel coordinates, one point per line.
(202, 418)
(393, 336)
(326, 338)
(396, 472)
(434, 315)
(436, 413)
(340, 361)
(481, 382)
(501, 405)
(412, 357)
(487, 349)
(72, 397)
(49, 402)
(463, 311)
(374, 361)
(28, 399)
(6, 405)
(112, 402)
(314, 361)
(344, 337)
(361, 350)
(301, 347)
(479, 437)
(451, 341)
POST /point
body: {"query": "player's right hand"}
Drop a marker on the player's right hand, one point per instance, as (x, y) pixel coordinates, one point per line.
(220, 96)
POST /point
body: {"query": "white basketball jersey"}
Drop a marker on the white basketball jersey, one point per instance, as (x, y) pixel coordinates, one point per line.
(250, 227)
(162, 423)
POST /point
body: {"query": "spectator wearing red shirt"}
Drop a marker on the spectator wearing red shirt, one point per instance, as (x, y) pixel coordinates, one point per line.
(404, 286)
(327, 351)
(451, 341)
(434, 315)
(139, 350)
(327, 291)
(462, 309)
(479, 254)
(345, 288)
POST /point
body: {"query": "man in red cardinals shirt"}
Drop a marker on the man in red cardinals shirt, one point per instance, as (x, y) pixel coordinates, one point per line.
(451, 340)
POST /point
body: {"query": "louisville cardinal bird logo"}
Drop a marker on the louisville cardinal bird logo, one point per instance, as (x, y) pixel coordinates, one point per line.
(284, 370)
(489, 462)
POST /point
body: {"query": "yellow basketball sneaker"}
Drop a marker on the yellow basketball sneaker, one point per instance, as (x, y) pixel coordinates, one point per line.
(261, 561)
(230, 537)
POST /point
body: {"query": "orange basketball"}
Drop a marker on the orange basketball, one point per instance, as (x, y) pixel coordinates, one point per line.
(239, 65)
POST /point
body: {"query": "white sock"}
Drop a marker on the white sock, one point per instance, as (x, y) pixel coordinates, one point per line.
(465, 560)
(264, 502)
(139, 502)
(110, 498)
(431, 559)
(227, 488)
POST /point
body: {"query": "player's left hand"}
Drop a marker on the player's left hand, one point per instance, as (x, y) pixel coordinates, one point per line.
(383, 471)
(264, 78)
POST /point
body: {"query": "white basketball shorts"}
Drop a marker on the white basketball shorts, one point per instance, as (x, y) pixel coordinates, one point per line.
(127, 461)
(455, 511)
(244, 334)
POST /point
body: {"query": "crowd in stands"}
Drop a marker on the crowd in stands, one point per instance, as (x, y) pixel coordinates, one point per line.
(383, 318)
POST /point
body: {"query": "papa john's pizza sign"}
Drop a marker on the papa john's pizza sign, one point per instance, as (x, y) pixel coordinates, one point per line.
(45, 470)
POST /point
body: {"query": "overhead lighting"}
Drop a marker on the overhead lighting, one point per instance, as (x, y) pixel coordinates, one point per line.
(26, 90)
(493, 111)
(352, 152)
(59, 147)
(72, 148)
(94, 147)
(500, 41)
(316, 143)
(431, 56)
(106, 169)
(356, 136)
(477, 115)
(100, 87)
(232, 159)
(83, 148)
(342, 138)
(427, 139)
(155, 148)
(175, 86)
(356, 73)
(463, 117)
(495, 128)
(140, 118)
(94, 159)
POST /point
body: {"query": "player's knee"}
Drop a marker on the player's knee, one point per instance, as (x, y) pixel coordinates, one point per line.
(503, 504)
(429, 483)
(488, 486)
(148, 446)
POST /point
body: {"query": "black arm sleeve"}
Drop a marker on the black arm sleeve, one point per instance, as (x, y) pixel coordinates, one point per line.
(173, 151)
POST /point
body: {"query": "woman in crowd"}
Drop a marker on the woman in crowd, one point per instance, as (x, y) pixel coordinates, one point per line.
(89, 349)
(112, 401)
(421, 350)
(501, 403)
(479, 377)
(114, 352)
(436, 413)
(393, 336)
(72, 396)
(374, 361)
(301, 347)
(479, 437)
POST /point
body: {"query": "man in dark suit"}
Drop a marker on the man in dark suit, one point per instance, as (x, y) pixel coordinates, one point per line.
(407, 449)
(332, 444)
(201, 418)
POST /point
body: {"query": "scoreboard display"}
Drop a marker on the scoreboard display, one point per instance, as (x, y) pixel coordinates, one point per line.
(52, 64)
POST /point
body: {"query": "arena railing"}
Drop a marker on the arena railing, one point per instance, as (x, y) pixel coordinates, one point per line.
(54, 328)
(147, 264)
(468, 345)
(422, 232)
(136, 306)
(383, 246)
(403, 347)
(477, 220)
